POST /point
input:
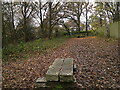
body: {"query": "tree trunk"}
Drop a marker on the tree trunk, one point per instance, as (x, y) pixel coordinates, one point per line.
(107, 28)
(41, 19)
(25, 23)
(50, 18)
(106, 24)
(100, 21)
(118, 11)
(56, 33)
(78, 16)
(67, 29)
(86, 21)
(13, 25)
(116, 16)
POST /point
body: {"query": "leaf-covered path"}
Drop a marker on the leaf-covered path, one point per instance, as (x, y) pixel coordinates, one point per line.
(96, 59)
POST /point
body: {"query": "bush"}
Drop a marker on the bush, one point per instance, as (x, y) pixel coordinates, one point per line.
(26, 50)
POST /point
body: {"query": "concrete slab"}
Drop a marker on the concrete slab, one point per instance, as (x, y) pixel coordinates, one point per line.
(66, 73)
(54, 69)
(41, 82)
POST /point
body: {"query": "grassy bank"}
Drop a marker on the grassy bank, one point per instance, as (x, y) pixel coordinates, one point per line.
(29, 49)
(113, 29)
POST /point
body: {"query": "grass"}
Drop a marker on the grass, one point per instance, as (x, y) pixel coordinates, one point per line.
(83, 33)
(58, 87)
(29, 49)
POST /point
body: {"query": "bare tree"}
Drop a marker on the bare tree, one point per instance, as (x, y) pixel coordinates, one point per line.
(50, 19)
(54, 16)
(26, 11)
(86, 7)
(8, 15)
(40, 10)
(74, 12)
(112, 9)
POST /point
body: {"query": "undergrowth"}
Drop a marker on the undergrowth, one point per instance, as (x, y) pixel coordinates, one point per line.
(27, 50)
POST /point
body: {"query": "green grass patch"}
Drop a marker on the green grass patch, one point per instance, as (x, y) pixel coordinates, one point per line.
(29, 49)
(59, 87)
(83, 33)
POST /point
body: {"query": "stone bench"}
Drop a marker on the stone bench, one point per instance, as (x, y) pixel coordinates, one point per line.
(61, 71)
(66, 72)
(54, 70)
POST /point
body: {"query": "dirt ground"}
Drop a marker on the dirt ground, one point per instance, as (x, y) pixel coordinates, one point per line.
(96, 60)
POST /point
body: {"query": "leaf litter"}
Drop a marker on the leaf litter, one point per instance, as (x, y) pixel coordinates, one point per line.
(97, 61)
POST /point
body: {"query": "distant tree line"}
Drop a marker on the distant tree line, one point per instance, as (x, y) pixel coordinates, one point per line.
(105, 13)
(26, 21)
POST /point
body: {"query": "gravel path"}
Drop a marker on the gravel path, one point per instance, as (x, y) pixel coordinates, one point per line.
(96, 60)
